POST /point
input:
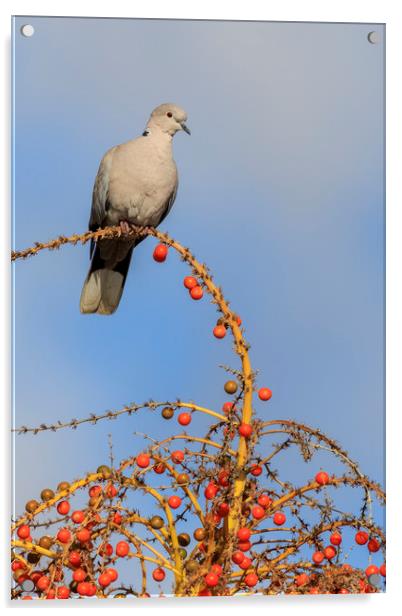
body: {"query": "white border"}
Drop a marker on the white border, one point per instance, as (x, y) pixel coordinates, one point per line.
(380, 11)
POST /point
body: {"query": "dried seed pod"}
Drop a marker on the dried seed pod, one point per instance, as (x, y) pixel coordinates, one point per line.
(156, 522)
(167, 412)
(230, 387)
(31, 506)
(105, 470)
(199, 534)
(47, 494)
(184, 539)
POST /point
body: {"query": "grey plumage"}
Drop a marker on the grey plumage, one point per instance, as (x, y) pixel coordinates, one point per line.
(136, 183)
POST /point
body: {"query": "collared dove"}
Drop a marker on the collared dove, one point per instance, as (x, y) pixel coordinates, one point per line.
(136, 184)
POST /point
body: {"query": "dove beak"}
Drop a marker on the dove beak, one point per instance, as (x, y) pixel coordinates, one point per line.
(185, 128)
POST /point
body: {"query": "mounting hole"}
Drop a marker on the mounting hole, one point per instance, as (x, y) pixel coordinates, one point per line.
(28, 585)
(374, 579)
(373, 37)
(27, 30)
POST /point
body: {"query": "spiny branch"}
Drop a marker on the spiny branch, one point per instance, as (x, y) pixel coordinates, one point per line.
(126, 410)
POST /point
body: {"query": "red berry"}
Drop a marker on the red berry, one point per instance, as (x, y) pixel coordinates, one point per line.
(238, 557)
(83, 589)
(205, 592)
(279, 518)
(245, 563)
(227, 407)
(43, 583)
(329, 552)
(35, 575)
(361, 537)
(372, 570)
(343, 591)
(211, 579)
(63, 507)
(238, 319)
(104, 579)
(373, 545)
(177, 456)
(74, 558)
(318, 557)
(184, 419)
(160, 253)
(244, 546)
(143, 460)
(196, 292)
(95, 491)
(159, 468)
(63, 592)
(336, 538)
(256, 470)
(106, 549)
(20, 576)
(219, 331)
(83, 535)
(245, 430)
(244, 534)
(78, 517)
(251, 579)
(23, 532)
(17, 564)
(158, 574)
(264, 394)
(122, 548)
(112, 573)
(223, 509)
(258, 512)
(216, 518)
(174, 502)
(64, 535)
(314, 591)
(216, 568)
(190, 282)
(264, 500)
(383, 570)
(322, 478)
(302, 579)
(111, 491)
(223, 478)
(51, 594)
(79, 575)
(117, 518)
(211, 491)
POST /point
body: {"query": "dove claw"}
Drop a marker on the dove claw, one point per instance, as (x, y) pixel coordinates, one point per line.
(125, 227)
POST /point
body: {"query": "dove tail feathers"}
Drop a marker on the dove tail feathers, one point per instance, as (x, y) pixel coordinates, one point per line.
(103, 287)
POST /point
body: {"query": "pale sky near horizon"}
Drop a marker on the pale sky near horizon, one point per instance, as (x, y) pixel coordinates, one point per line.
(281, 193)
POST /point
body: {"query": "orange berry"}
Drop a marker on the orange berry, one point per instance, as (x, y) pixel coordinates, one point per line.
(219, 331)
(160, 253)
(264, 394)
(190, 282)
(196, 292)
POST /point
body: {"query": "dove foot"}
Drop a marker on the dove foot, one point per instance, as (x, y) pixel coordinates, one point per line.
(125, 227)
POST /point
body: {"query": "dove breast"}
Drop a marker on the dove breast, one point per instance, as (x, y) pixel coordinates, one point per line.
(142, 179)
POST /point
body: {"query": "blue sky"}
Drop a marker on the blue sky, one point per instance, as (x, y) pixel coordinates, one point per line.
(281, 193)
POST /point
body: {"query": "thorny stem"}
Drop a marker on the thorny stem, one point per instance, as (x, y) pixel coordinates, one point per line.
(168, 538)
(240, 345)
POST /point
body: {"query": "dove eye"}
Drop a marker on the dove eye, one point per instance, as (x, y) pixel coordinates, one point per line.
(169, 114)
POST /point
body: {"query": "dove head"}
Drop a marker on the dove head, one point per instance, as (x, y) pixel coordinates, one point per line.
(168, 118)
